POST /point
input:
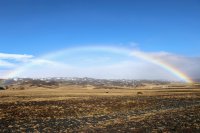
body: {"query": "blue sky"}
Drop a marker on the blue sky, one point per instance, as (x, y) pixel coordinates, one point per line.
(41, 26)
(167, 30)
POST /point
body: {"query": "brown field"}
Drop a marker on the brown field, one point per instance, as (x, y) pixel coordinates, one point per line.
(86, 109)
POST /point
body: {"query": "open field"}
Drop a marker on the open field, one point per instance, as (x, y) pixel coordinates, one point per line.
(85, 109)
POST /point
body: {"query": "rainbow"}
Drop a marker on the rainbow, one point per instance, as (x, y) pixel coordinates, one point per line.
(162, 64)
(118, 50)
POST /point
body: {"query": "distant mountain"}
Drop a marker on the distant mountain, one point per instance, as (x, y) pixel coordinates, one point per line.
(55, 81)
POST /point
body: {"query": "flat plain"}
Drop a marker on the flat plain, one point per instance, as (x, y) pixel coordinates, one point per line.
(75, 108)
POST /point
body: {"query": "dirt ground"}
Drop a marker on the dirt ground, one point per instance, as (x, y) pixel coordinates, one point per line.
(76, 109)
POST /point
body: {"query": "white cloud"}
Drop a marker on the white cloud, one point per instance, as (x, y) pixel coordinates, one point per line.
(13, 60)
(18, 57)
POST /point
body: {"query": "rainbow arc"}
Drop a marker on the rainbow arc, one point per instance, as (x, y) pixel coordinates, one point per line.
(168, 67)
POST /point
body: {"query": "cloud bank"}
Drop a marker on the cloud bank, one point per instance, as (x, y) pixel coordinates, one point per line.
(125, 68)
(12, 60)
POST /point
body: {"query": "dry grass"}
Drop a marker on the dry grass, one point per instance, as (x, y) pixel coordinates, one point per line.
(85, 109)
(75, 91)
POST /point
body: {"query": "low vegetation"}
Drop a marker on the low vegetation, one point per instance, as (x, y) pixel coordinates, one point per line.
(76, 109)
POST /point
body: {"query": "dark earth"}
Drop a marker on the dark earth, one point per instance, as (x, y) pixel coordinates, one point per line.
(163, 113)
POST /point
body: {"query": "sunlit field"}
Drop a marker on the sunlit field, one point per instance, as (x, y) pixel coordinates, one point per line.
(75, 108)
